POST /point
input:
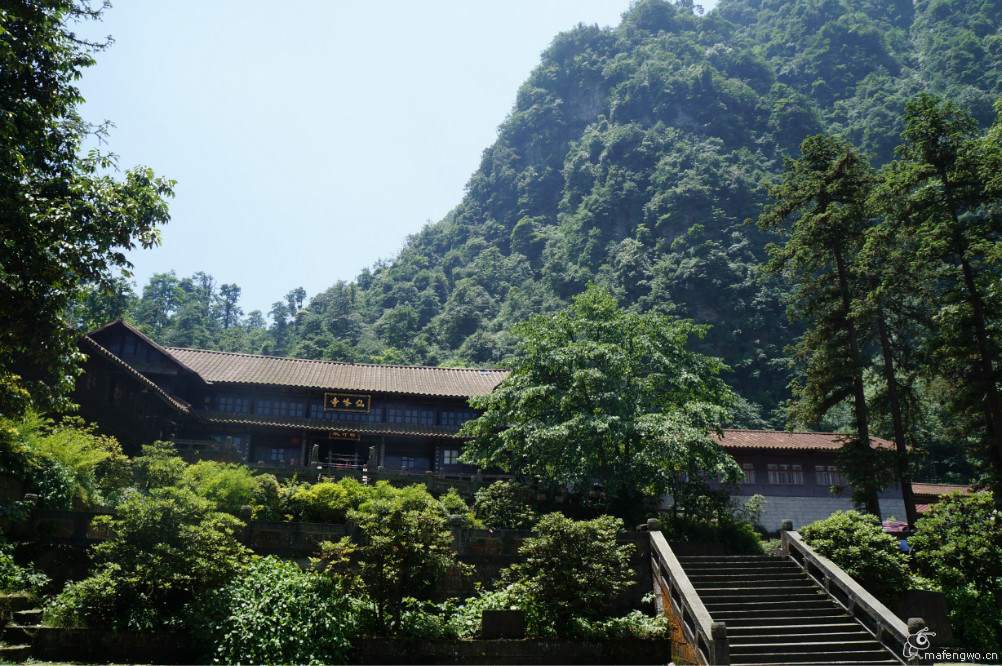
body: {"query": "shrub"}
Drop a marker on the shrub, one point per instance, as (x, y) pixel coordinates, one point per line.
(737, 537)
(571, 569)
(858, 544)
(505, 505)
(957, 546)
(275, 613)
(329, 502)
(69, 465)
(227, 485)
(159, 466)
(170, 547)
(270, 499)
(15, 578)
(407, 547)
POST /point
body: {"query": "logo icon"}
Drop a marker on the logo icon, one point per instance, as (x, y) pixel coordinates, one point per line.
(917, 643)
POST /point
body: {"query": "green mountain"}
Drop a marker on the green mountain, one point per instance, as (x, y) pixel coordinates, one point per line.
(633, 158)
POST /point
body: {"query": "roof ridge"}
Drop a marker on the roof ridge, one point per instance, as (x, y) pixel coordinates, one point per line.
(344, 363)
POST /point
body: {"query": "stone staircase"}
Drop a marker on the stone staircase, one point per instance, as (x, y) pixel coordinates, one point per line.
(776, 614)
(16, 637)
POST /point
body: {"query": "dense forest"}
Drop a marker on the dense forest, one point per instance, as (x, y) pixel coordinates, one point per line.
(637, 158)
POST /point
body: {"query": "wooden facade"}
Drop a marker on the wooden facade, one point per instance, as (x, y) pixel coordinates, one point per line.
(276, 411)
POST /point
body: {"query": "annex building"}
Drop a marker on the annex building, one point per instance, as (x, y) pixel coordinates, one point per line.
(272, 411)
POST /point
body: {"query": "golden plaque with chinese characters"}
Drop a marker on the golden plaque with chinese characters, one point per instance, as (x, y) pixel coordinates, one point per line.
(347, 402)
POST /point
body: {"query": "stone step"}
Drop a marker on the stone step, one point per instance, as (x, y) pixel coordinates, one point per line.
(803, 606)
(26, 618)
(730, 577)
(792, 629)
(848, 636)
(771, 613)
(805, 647)
(790, 592)
(15, 653)
(740, 619)
(837, 656)
(711, 569)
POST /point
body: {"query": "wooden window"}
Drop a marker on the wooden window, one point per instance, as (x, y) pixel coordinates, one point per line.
(230, 403)
(784, 474)
(749, 471)
(829, 475)
(456, 418)
(278, 455)
(450, 457)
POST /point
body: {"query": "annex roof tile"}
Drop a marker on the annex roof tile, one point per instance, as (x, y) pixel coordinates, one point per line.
(789, 441)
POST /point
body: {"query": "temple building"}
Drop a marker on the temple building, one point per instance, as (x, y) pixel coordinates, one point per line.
(265, 410)
(277, 411)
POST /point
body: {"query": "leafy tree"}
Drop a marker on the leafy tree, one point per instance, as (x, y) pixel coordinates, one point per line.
(571, 569)
(407, 548)
(64, 224)
(859, 545)
(958, 548)
(276, 613)
(170, 548)
(937, 200)
(825, 191)
(596, 393)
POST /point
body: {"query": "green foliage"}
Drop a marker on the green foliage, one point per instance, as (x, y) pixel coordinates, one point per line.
(407, 547)
(596, 393)
(272, 612)
(16, 578)
(66, 223)
(505, 505)
(170, 548)
(227, 485)
(571, 569)
(737, 537)
(69, 465)
(329, 502)
(159, 466)
(958, 547)
(858, 544)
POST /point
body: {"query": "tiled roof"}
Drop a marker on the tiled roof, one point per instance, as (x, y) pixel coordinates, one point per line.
(937, 489)
(228, 368)
(789, 441)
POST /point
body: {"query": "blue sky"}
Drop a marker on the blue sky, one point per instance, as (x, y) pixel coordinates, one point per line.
(309, 138)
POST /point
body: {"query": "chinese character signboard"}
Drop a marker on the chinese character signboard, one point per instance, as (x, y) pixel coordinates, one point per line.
(344, 434)
(347, 402)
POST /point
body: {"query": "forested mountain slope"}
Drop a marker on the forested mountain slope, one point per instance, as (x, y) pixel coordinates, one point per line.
(633, 158)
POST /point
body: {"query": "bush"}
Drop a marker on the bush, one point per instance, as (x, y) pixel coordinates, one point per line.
(407, 547)
(571, 569)
(957, 546)
(737, 537)
(15, 578)
(69, 465)
(227, 485)
(275, 613)
(169, 548)
(159, 466)
(505, 505)
(329, 502)
(858, 544)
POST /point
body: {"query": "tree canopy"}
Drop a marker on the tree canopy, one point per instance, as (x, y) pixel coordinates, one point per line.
(597, 394)
(64, 221)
